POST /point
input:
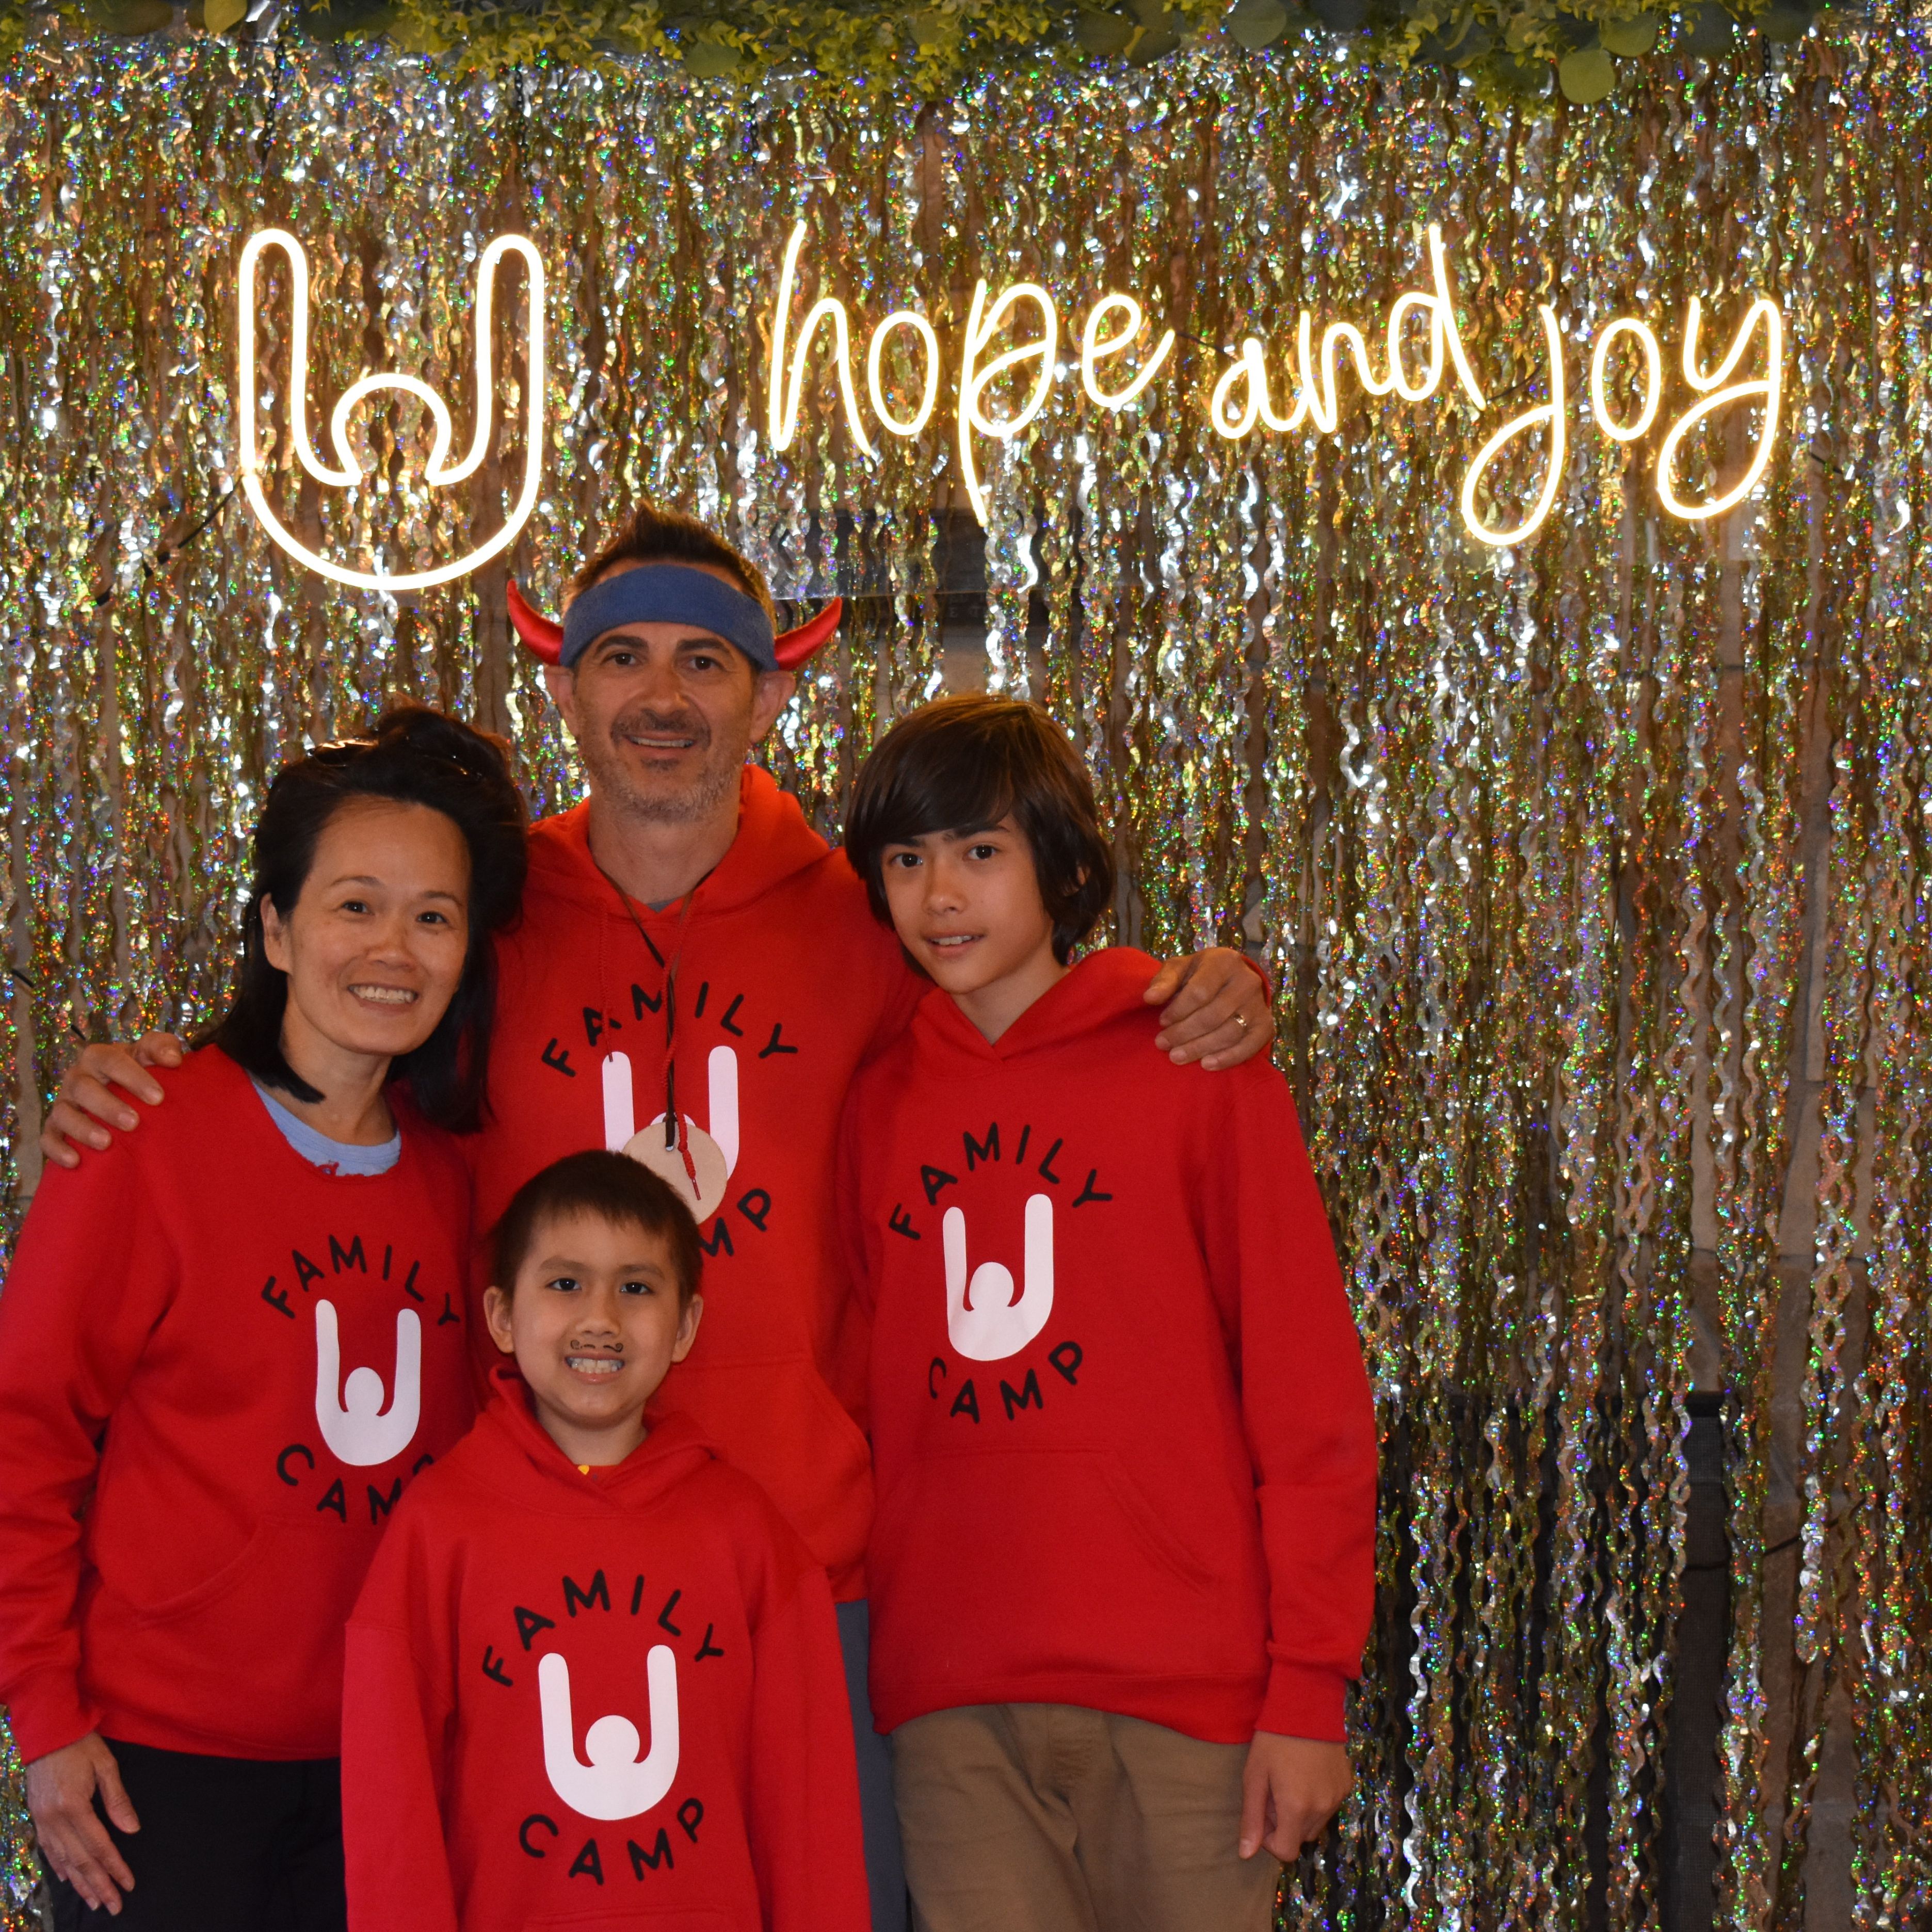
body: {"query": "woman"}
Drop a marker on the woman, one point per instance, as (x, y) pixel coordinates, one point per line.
(227, 1346)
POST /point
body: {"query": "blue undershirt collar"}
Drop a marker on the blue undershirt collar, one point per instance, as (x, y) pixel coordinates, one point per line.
(319, 1151)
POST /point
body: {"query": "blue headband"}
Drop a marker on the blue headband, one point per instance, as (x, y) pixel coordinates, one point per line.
(669, 593)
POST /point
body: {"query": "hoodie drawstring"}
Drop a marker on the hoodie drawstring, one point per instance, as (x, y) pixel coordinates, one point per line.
(675, 1134)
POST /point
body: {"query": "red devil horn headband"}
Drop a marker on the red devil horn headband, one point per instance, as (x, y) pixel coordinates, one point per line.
(541, 638)
(676, 593)
(791, 648)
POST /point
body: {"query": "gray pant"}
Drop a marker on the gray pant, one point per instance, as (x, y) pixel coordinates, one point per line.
(885, 1867)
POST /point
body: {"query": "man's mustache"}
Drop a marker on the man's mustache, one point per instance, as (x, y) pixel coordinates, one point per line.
(645, 723)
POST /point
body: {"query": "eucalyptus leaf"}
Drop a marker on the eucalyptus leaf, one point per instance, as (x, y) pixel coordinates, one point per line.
(417, 37)
(1521, 75)
(1103, 34)
(710, 60)
(1341, 16)
(130, 17)
(926, 29)
(1707, 32)
(1153, 43)
(339, 18)
(1631, 37)
(1586, 74)
(218, 15)
(1256, 24)
(1784, 24)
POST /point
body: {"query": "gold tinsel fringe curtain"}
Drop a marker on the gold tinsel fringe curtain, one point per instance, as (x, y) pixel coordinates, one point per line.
(1594, 873)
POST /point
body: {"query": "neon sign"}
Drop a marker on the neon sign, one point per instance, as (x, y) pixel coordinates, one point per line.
(1114, 374)
(1243, 399)
(347, 471)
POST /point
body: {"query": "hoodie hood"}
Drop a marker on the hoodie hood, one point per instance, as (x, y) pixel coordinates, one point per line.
(1104, 988)
(536, 1472)
(773, 843)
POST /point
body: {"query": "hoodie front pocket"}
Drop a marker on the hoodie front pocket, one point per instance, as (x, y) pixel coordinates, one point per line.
(991, 1568)
(223, 1581)
(251, 1657)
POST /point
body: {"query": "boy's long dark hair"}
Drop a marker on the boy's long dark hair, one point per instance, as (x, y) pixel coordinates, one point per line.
(413, 756)
(969, 761)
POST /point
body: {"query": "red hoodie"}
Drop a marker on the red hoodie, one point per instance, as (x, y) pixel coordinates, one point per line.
(273, 1353)
(1125, 1449)
(601, 1699)
(785, 983)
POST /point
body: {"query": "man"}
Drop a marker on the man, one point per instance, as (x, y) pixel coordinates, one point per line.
(695, 979)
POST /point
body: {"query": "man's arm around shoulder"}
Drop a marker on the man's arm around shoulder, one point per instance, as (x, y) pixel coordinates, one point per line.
(93, 1104)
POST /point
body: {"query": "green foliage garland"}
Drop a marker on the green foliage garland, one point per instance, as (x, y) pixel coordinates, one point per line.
(1520, 52)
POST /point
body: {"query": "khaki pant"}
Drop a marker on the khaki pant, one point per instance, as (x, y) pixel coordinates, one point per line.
(1049, 1818)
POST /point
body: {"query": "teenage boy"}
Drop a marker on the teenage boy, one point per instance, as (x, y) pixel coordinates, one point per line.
(1122, 1563)
(593, 1676)
(684, 932)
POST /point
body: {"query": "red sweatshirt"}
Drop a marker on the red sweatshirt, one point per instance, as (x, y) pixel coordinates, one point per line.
(600, 1699)
(785, 983)
(1124, 1446)
(273, 1353)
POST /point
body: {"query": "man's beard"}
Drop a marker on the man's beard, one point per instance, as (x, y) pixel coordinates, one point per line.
(692, 800)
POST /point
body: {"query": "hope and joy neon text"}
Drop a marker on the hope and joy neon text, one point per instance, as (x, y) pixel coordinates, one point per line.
(1245, 399)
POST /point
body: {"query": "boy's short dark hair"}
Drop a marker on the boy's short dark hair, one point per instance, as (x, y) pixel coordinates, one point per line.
(971, 761)
(650, 535)
(614, 1188)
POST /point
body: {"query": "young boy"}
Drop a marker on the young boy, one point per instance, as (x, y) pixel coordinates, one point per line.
(1123, 1561)
(593, 1677)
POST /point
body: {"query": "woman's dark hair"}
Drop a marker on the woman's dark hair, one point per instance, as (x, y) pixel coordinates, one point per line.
(412, 756)
(611, 1187)
(969, 761)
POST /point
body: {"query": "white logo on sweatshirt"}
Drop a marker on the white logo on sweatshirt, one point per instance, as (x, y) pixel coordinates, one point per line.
(350, 1414)
(983, 1320)
(714, 1155)
(616, 1783)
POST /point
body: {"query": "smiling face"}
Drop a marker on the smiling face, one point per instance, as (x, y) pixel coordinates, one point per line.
(967, 906)
(595, 1322)
(374, 945)
(666, 714)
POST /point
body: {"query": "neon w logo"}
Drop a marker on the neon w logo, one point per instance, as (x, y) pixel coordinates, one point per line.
(983, 1320)
(350, 1415)
(615, 1783)
(346, 472)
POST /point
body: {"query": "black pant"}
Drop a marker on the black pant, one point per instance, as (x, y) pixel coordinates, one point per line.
(227, 1844)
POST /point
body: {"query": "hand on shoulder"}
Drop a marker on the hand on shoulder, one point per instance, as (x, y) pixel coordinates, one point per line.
(1214, 1008)
(92, 1105)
